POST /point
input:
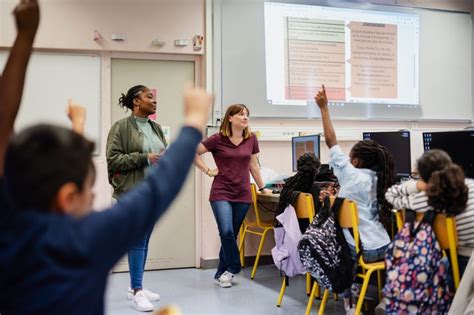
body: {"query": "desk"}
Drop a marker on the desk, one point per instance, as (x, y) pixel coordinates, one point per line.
(268, 197)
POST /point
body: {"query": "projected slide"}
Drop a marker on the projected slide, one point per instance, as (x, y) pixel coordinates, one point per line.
(367, 57)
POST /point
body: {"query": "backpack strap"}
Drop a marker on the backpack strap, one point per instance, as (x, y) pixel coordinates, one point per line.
(336, 205)
(410, 218)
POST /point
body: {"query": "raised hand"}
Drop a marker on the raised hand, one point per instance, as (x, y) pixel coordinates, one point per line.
(197, 104)
(27, 17)
(77, 116)
(321, 98)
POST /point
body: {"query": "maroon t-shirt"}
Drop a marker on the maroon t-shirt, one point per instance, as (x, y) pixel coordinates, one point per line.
(233, 181)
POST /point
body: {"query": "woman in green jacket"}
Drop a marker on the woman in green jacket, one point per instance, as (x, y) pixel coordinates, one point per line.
(134, 144)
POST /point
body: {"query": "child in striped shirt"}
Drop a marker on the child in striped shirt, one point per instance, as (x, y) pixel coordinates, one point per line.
(442, 186)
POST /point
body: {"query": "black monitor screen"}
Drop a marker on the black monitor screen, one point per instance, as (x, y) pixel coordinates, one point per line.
(303, 144)
(398, 143)
(458, 144)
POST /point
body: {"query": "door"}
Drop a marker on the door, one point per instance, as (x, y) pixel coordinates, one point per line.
(172, 244)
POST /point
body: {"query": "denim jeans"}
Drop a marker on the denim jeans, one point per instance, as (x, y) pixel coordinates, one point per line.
(372, 255)
(136, 261)
(229, 217)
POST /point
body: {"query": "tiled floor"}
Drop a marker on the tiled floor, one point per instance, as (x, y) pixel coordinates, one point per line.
(195, 292)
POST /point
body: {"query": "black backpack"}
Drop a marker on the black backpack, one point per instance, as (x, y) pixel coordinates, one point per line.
(323, 250)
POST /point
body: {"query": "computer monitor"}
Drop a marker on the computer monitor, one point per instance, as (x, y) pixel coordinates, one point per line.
(398, 143)
(458, 144)
(303, 144)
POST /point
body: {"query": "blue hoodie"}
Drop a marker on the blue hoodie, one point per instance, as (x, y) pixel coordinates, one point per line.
(57, 264)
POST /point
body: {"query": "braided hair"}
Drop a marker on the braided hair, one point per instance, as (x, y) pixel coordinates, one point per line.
(126, 101)
(376, 157)
(308, 165)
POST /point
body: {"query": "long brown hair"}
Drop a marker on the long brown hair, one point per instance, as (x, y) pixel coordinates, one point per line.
(446, 190)
(226, 128)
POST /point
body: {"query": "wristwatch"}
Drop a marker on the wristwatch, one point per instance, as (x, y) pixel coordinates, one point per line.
(261, 189)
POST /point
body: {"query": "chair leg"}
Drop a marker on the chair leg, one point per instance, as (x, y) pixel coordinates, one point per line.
(379, 284)
(257, 258)
(243, 233)
(311, 298)
(282, 291)
(322, 306)
(363, 290)
(308, 284)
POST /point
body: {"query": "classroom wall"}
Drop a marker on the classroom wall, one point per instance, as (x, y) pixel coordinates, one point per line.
(70, 24)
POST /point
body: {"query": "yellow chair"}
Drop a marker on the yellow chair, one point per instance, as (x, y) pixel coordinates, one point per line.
(257, 227)
(348, 217)
(444, 227)
(304, 208)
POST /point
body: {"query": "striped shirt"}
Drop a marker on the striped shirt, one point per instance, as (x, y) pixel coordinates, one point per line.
(406, 195)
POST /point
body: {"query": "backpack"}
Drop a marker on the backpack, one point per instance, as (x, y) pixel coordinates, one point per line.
(418, 274)
(287, 236)
(324, 251)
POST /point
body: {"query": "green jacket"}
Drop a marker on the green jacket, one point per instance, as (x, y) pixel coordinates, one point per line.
(126, 160)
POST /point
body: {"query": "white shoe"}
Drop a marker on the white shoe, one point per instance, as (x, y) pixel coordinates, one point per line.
(151, 296)
(225, 280)
(350, 310)
(141, 303)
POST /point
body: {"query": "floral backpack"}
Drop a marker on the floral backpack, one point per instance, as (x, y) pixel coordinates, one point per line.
(418, 275)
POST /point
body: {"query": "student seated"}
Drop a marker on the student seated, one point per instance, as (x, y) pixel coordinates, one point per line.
(441, 186)
(55, 254)
(363, 176)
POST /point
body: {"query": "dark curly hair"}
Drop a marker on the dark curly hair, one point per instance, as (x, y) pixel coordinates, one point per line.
(447, 190)
(377, 158)
(308, 165)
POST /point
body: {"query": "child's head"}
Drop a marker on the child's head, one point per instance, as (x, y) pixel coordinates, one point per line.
(50, 169)
(308, 165)
(237, 114)
(446, 188)
(371, 155)
(139, 100)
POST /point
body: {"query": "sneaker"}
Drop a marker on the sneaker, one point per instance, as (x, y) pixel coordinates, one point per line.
(141, 303)
(225, 280)
(151, 296)
(349, 310)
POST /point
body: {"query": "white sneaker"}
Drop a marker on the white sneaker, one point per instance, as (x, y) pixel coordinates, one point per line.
(349, 310)
(225, 280)
(141, 303)
(151, 296)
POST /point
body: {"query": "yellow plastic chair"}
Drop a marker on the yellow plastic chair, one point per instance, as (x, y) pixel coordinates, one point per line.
(444, 227)
(304, 208)
(348, 217)
(257, 227)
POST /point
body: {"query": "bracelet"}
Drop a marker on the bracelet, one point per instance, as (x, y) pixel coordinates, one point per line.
(261, 189)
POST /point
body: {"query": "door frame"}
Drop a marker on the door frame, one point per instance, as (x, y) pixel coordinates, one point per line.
(106, 99)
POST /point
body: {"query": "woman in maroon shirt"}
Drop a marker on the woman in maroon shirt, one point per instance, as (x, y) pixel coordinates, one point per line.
(234, 150)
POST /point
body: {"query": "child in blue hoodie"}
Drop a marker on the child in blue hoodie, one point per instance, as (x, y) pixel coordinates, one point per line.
(55, 253)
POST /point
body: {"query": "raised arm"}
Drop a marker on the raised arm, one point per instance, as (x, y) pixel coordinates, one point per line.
(11, 83)
(329, 133)
(77, 116)
(109, 234)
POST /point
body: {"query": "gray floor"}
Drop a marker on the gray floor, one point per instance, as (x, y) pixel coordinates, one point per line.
(195, 292)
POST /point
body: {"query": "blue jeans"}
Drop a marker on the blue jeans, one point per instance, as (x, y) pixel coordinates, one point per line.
(371, 255)
(136, 261)
(229, 217)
